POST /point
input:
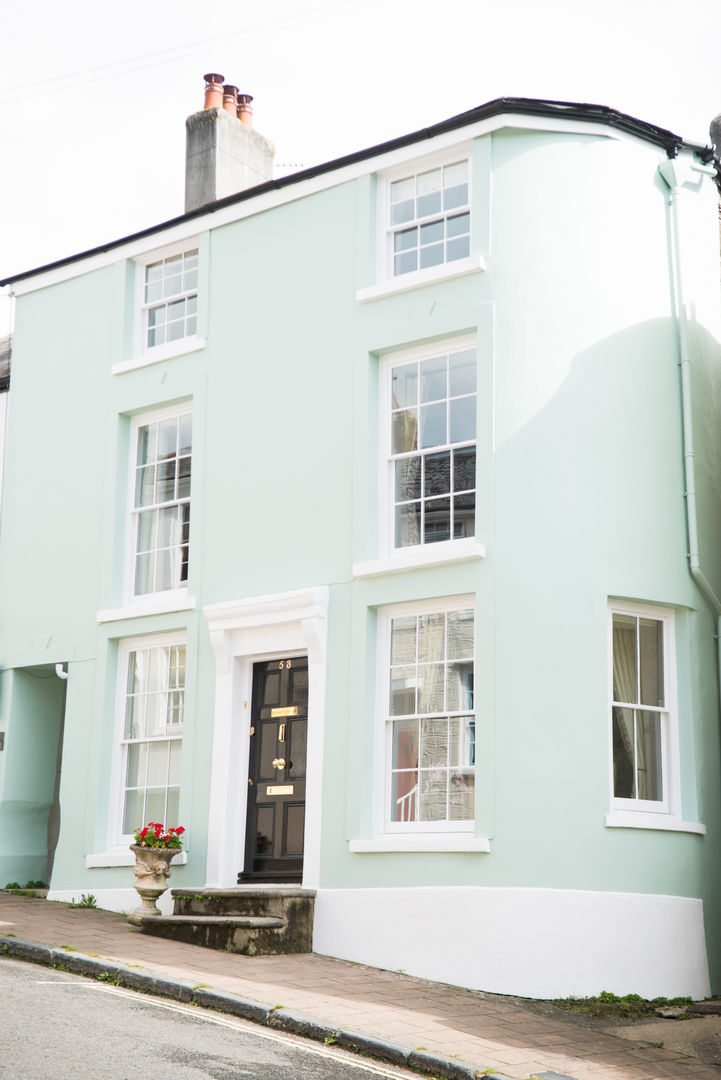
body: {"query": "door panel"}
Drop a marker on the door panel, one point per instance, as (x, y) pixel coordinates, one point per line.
(276, 783)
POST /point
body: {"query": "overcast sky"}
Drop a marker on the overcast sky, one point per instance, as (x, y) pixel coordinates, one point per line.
(93, 97)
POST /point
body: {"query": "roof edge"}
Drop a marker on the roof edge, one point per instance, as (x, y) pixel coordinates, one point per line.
(588, 113)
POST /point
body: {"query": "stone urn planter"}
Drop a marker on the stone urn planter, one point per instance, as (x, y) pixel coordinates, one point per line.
(152, 870)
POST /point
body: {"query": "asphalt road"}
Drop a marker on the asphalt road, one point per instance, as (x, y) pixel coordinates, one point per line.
(57, 1026)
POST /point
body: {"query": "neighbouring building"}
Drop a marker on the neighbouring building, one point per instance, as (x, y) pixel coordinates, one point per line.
(367, 523)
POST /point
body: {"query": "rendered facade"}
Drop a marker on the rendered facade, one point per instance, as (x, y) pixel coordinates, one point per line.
(393, 487)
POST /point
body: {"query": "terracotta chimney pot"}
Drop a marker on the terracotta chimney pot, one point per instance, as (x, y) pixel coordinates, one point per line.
(230, 99)
(213, 91)
(245, 112)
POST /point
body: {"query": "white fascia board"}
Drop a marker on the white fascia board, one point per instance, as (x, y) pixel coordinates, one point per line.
(268, 200)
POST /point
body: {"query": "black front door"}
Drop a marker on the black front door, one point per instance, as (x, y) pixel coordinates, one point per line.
(276, 787)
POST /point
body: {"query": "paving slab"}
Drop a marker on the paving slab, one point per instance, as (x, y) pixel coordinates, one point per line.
(442, 1029)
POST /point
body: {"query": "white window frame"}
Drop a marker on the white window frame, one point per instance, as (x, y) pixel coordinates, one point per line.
(434, 552)
(384, 827)
(142, 352)
(165, 599)
(462, 152)
(117, 840)
(645, 812)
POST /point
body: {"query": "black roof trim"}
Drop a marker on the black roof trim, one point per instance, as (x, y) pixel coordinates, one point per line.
(594, 114)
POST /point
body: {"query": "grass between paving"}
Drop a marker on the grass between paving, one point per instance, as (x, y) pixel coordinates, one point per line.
(610, 1006)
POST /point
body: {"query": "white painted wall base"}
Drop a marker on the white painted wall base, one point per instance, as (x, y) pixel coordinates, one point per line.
(531, 942)
(124, 900)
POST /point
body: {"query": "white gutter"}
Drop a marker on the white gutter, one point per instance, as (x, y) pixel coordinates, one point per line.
(676, 173)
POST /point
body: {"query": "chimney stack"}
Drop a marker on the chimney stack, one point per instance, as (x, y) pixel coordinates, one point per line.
(224, 155)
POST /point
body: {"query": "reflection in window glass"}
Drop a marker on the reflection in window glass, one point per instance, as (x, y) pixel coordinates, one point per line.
(154, 702)
(433, 434)
(432, 727)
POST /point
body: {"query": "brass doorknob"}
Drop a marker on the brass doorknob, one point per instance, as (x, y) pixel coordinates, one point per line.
(279, 763)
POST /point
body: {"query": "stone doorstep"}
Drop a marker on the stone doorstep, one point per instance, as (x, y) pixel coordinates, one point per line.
(246, 890)
(248, 922)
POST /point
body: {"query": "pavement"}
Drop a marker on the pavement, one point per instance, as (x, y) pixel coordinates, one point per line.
(428, 1027)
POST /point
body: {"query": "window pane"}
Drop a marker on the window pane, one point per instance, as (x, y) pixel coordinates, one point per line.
(403, 691)
(431, 689)
(650, 642)
(404, 386)
(147, 443)
(137, 764)
(408, 525)
(402, 212)
(429, 181)
(431, 256)
(460, 634)
(405, 263)
(431, 637)
(144, 583)
(133, 817)
(405, 240)
(155, 804)
(436, 520)
(434, 743)
(455, 196)
(185, 437)
(433, 795)
(158, 764)
(432, 233)
(458, 249)
(135, 717)
(404, 796)
(437, 473)
(405, 744)
(462, 742)
(433, 425)
(624, 771)
(455, 174)
(461, 796)
(403, 640)
(434, 386)
(172, 813)
(464, 515)
(458, 226)
(463, 372)
(145, 486)
(625, 678)
(174, 767)
(408, 479)
(184, 478)
(459, 687)
(165, 481)
(428, 204)
(463, 419)
(648, 756)
(464, 470)
(403, 189)
(167, 438)
(405, 431)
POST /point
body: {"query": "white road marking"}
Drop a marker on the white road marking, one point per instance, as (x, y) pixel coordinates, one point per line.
(298, 1042)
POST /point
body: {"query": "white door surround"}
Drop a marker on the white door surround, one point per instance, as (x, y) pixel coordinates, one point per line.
(241, 633)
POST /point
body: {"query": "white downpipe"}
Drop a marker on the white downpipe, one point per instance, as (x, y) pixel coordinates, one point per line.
(676, 174)
(60, 671)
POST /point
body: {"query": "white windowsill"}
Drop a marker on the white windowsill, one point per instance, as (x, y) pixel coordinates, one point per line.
(421, 842)
(631, 819)
(161, 604)
(447, 551)
(158, 353)
(418, 278)
(124, 857)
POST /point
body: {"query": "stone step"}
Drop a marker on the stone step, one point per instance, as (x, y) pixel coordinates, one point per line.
(272, 900)
(251, 920)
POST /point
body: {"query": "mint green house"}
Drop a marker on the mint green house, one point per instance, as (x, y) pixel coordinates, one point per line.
(367, 523)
